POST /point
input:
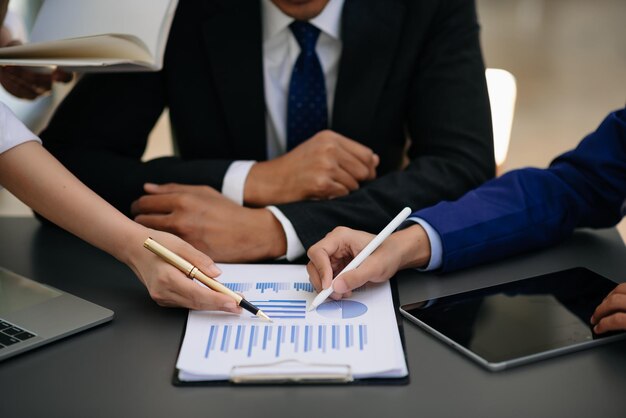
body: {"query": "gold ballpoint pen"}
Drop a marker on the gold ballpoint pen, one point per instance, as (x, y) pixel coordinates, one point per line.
(193, 272)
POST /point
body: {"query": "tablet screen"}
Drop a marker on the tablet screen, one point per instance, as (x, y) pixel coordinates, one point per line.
(518, 319)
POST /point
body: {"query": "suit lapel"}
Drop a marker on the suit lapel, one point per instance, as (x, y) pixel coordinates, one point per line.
(234, 44)
(370, 31)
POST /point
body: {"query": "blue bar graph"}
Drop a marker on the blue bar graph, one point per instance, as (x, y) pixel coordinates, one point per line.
(307, 287)
(280, 340)
(225, 338)
(281, 308)
(241, 331)
(275, 286)
(239, 287)
(211, 342)
(252, 340)
(267, 336)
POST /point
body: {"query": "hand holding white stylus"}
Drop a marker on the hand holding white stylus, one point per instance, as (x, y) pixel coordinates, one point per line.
(361, 256)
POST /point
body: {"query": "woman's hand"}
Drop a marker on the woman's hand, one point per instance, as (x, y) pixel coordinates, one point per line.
(167, 285)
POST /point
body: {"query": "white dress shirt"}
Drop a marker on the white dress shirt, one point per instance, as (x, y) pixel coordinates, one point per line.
(436, 248)
(280, 52)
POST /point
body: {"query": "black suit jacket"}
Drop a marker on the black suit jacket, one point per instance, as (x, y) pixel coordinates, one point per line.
(409, 69)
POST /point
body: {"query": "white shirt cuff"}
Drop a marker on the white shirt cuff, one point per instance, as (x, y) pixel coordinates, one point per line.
(436, 249)
(235, 180)
(295, 249)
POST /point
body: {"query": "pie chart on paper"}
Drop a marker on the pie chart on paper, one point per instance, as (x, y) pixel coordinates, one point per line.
(341, 309)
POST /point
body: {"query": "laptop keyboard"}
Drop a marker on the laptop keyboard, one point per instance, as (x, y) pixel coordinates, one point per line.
(11, 334)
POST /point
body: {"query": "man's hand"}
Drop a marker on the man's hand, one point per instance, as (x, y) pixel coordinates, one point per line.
(403, 249)
(210, 222)
(610, 315)
(325, 166)
(24, 82)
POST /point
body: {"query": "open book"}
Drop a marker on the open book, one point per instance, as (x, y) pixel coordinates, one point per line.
(86, 36)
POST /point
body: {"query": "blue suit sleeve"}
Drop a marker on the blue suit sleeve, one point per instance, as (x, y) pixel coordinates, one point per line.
(533, 208)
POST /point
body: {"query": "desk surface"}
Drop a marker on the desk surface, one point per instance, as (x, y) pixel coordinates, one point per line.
(124, 368)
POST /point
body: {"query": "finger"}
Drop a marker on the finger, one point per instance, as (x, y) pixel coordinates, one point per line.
(154, 204)
(62, 76)
(620, 288)
(170, 188)
(376, 162)
(356, 278)
(354, 166)
(614, 322)
(153, 188)
(20, 91)
(16, 87)
(28, 76)
(360, 151)
(320, 255)
(614, 302)
(314, 277)
(200, 260)
(346, 179)
(193, 295)
(336, 189)
(159, 222)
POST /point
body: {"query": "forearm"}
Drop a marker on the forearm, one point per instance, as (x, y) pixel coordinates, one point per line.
(412, 246)
(533, 208)
(427, 181)
(36, 178)
(120, 178)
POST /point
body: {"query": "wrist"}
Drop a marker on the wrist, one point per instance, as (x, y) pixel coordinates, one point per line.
(413, 247)
(274, 239)
(261, 185)
(130, 248)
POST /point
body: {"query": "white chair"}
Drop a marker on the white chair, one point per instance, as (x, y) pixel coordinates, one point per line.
(502, 94)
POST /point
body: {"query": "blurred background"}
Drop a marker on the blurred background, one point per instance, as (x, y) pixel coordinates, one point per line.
(568, 58)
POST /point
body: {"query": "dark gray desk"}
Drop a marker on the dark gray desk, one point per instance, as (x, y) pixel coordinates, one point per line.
(124, 368)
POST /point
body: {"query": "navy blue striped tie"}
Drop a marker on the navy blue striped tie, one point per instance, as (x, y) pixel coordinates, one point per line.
(307, 110)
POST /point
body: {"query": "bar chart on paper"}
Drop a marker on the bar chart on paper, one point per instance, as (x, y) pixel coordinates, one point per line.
(354, 332)
(280, 340)
(271, 287)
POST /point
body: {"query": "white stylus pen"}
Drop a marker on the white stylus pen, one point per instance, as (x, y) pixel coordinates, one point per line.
(365, 252)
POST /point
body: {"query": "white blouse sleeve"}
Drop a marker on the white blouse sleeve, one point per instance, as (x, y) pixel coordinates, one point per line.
(12, 130)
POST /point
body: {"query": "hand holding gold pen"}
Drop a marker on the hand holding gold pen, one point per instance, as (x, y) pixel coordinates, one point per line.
(192, 272)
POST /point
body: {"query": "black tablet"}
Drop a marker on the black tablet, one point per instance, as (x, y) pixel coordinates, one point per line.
(519, 322)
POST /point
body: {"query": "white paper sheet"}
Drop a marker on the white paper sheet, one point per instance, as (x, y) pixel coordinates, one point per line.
(359, 332)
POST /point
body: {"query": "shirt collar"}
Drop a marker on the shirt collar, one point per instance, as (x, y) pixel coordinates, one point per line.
(328, 21)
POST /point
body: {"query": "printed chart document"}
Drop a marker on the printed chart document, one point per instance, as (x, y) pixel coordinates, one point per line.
(355, 338)
(113, 35)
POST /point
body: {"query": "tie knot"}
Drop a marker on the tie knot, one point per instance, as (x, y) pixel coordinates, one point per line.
(306, 34)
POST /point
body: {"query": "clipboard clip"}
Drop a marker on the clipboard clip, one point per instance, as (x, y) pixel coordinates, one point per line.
(291, 371)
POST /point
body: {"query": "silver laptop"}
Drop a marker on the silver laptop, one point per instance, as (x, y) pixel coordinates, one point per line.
(33, 314)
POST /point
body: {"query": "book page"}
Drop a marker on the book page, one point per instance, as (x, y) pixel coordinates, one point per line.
(147, 20)
(122, 48)
(359, 334)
